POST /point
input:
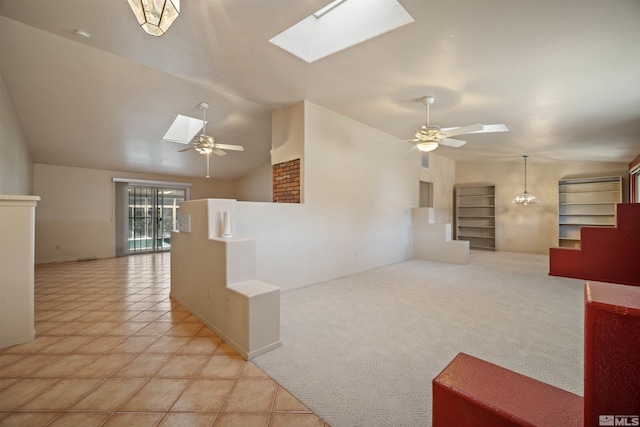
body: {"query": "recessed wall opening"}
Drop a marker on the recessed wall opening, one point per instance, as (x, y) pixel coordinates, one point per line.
(426, 194)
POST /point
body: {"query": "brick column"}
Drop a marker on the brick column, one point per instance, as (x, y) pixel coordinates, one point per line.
(286, 182)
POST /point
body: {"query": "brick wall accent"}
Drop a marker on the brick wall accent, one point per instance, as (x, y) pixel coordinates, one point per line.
(286, 182)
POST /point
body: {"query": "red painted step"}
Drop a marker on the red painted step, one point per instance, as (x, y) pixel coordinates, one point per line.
(475, 393)
(472, 392)
(606, 254)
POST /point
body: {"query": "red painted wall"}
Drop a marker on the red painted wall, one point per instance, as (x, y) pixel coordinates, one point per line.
(471, 392)
(606, 254)
(611, 353)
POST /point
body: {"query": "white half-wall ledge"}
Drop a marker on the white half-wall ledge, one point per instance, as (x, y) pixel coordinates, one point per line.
(214, 278)
(17, 228)
(432, 241)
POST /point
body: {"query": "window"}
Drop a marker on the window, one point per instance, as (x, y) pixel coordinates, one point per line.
(153, 214)
(146, 214)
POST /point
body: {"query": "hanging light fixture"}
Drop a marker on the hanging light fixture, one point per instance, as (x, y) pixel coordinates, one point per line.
(525, 198)
(155, 16)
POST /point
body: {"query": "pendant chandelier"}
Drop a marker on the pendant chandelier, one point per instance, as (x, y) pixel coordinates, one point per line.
(525, 198)
(155, 16)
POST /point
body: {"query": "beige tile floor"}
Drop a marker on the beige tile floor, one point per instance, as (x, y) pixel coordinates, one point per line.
(112, 349)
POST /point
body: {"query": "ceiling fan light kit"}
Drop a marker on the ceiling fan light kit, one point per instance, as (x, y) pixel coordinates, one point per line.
(525, 198)
(427, 146)
(155, 16)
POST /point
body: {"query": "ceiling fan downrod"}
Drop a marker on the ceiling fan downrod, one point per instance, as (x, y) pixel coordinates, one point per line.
(428, 100)
(204, 106)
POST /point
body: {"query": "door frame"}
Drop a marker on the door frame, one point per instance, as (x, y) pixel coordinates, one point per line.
(121, 196)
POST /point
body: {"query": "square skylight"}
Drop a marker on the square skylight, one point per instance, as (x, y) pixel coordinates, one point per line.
(341, 25)
(183, 129)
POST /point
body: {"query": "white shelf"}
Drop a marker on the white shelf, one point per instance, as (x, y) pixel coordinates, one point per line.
(476, 215)
(586, 202)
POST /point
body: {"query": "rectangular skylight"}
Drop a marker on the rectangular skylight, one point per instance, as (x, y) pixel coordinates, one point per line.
(341, 25)
(183, 129)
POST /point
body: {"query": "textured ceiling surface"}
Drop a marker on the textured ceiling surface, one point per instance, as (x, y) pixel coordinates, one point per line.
(564, 76)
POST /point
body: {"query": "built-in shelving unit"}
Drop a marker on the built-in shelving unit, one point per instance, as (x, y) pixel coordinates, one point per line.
(586, 202)
(476, 216)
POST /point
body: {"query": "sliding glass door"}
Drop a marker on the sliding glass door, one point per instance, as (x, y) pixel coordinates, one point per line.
(152, 215)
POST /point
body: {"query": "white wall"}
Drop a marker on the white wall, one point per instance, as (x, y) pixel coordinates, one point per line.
(288, 138)
(442, 173)
(257, 185)
(76, 215)
(530, 229)
(16, 166)
(287, 133)
(360, 188)
(357, 212)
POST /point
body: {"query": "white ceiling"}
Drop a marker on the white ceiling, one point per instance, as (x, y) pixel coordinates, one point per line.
(563, 75)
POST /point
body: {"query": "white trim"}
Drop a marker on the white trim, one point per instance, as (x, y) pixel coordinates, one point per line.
(328, 8)
(143, 182)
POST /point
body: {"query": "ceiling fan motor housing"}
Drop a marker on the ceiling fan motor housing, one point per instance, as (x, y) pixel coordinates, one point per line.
(428, 133)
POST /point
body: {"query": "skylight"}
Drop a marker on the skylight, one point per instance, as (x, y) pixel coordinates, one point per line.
(183, 129)
(328, 8)
(341, 25)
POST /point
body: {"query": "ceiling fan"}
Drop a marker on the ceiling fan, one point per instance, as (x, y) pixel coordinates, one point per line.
(429, 136)
(205, 144)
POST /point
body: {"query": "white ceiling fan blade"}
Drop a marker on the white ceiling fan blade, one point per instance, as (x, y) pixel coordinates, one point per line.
(493, 128)
(486, 129)
(230, 147)
(186, 149)
(449, 142)
(218, 152)
(459, 131)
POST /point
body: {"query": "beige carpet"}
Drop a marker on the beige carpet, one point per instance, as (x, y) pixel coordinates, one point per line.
(362, 350)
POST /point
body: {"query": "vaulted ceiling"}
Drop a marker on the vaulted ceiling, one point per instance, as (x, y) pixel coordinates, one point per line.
(563, 75)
